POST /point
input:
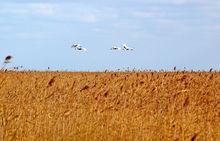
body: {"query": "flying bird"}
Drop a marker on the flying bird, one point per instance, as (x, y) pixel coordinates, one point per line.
(78, 47)
(8, 59)
(125, 47)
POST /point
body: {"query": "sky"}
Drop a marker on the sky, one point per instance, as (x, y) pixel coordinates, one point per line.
(164, 33)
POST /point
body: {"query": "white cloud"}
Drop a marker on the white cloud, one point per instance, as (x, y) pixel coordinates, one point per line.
(77, 16)
(181, 2)
(86, 13)
(176, 2)
(127, 17)
(29, 8)
(41, 8)
(201, 14)
(62, 11)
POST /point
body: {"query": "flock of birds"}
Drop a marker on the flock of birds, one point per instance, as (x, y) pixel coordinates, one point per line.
(124, 47)
(76, 47)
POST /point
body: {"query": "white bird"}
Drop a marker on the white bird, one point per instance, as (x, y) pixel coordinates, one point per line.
(115, 48)
(125, 47)
(78, 47)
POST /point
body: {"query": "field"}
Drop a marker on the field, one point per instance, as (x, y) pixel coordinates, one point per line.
(113, 106)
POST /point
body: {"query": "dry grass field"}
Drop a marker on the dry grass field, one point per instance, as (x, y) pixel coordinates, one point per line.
(175, 106)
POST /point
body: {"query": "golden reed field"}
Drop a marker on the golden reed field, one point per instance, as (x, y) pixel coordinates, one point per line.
(110, 106)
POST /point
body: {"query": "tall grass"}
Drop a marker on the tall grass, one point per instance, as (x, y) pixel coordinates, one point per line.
(109, 106)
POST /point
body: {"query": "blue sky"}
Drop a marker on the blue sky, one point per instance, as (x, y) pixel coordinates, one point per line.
(164, 33)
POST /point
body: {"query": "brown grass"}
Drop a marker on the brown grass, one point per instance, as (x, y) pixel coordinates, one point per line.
(109, 106)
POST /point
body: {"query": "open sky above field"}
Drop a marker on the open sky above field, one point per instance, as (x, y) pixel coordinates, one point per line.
(164, 33)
